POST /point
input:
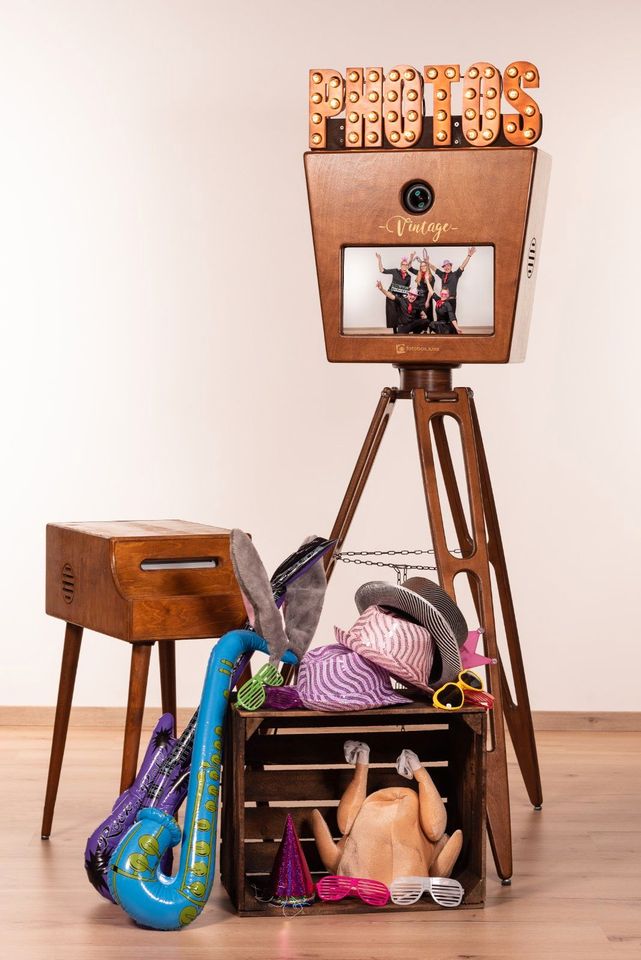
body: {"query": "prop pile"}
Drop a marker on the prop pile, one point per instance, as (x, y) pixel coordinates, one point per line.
(412, 635)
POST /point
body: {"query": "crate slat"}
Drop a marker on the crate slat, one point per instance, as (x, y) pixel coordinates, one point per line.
(268, 823)
(260, 855)
(330, 784)
(284, 748)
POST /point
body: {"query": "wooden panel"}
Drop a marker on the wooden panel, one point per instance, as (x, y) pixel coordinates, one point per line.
(94, 579)
(96, 603)
(466, 796)
(259, 856)
(136, 583)
(328, 747)
(251, 834)
(237, 768)
(186, 617)
(135, 529)
(351, 905)
(313, 785)
(268, 823)
(414, 713)
(482, 196)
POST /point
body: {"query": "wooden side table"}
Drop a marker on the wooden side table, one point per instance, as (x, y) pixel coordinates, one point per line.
(141, 582)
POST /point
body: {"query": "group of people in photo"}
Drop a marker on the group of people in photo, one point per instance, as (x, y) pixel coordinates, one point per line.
(415, 307)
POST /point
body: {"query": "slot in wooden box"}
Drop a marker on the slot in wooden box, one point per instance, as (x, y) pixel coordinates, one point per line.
(301, 765)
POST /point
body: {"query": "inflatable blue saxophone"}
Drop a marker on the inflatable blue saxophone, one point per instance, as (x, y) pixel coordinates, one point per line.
(135, 877)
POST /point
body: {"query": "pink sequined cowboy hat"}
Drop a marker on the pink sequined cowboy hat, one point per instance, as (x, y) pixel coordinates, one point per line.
(422, 646)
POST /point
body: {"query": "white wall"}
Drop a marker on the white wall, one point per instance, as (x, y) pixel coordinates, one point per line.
(149, 151)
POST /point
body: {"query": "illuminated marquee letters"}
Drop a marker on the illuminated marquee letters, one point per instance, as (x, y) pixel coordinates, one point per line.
(389, 108)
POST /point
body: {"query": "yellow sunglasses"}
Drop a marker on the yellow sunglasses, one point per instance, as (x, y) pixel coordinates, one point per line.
(468, 689)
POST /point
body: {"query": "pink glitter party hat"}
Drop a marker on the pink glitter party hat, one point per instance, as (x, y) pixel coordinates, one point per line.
(290, 881)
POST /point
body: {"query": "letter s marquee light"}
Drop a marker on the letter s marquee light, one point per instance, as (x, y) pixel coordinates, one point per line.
(388, 109)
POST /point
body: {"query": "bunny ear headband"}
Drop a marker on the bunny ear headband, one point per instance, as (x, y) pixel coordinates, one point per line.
(303, 605)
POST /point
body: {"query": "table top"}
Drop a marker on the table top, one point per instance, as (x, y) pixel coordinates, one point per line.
(142, 529)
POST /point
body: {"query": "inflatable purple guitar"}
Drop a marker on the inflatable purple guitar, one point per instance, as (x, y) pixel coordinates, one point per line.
(163, 778)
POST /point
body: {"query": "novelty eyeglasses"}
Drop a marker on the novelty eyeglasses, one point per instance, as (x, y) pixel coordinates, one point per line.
(252, 694)
(372, 892)
(444, 891)
(468, 689)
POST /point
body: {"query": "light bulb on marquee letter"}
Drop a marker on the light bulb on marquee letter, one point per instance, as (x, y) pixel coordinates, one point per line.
(326, 99)
(403, 114)
(442, 77)
(364, 107)
(524, 127)
(481, 118)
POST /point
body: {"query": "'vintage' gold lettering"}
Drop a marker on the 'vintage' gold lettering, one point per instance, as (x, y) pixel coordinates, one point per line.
(402, 226)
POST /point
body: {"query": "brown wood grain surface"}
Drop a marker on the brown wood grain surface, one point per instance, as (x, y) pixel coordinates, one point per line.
(482, 197)
(293, 771)
(112, 594)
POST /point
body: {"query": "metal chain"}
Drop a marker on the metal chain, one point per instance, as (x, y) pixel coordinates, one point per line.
(401, 569)
(381, 553)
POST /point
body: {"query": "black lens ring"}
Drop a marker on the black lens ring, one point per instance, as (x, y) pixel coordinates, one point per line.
(417, 197)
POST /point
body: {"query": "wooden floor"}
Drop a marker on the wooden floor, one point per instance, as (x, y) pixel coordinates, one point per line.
(576, 892)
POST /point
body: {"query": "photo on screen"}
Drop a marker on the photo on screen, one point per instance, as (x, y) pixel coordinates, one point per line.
(404, 291)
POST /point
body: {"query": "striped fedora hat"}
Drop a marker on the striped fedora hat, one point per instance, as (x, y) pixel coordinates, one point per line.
(336, 678)
(428, 604)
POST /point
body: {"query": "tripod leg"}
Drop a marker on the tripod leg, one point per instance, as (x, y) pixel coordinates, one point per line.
(518, 715)
(359, 477)
(474, 563)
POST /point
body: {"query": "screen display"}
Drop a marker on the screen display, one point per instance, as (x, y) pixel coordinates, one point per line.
(404, 291)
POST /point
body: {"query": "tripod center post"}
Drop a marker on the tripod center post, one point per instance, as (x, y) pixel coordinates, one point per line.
(436, 379)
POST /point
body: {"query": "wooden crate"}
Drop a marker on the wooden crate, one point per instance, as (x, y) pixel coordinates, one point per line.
(300, 765)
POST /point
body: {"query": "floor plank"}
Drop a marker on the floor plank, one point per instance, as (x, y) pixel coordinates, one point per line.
(576, 891)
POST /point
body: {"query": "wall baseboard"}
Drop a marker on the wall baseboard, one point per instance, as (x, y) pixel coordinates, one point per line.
(114, 718)
(605, 721)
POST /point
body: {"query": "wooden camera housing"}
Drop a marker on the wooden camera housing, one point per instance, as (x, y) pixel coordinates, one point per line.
(493, 197)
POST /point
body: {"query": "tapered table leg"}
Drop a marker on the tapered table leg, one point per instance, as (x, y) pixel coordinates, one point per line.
(140, 654)
(70, 654)
(167, 658)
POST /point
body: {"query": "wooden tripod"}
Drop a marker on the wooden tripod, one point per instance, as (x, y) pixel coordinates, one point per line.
(433, 399)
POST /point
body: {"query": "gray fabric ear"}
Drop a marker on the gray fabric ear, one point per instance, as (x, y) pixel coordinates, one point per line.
(254, 584)
(303, 606)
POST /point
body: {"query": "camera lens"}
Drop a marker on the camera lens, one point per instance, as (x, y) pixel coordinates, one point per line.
(417, 197)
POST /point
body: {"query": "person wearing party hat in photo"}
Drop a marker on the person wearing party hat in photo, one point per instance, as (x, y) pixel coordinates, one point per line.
(450, 278)
(412, 318)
